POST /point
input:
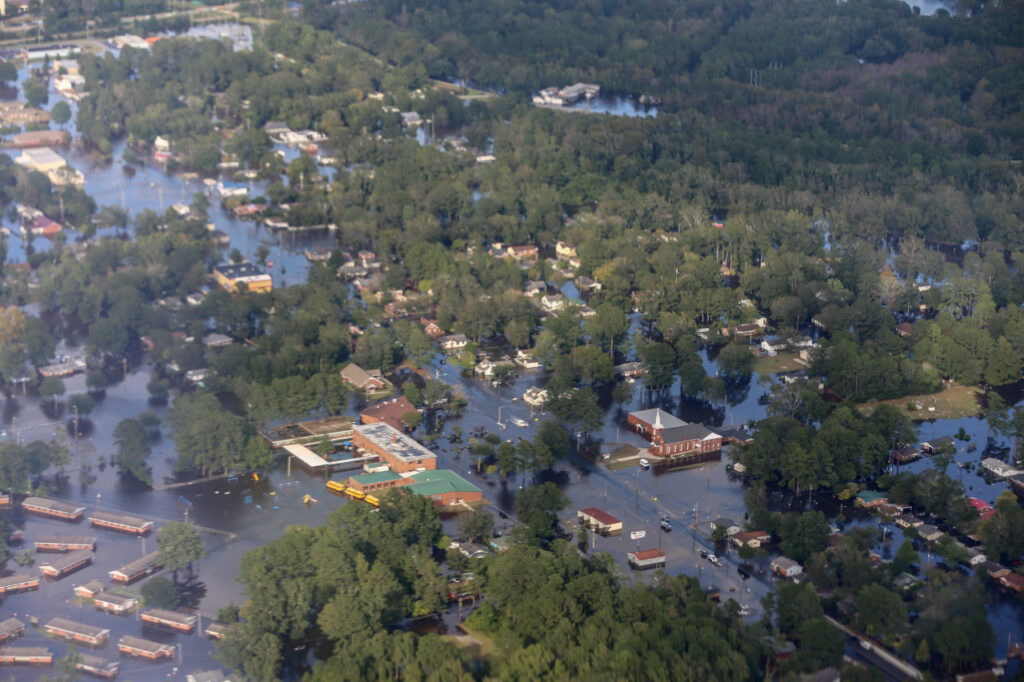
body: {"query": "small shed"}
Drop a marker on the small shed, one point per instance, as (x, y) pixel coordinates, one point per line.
(646, 558)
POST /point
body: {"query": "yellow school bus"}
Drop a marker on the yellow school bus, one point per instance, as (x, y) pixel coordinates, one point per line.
(372, 501)
(336, 487)
(355, 494)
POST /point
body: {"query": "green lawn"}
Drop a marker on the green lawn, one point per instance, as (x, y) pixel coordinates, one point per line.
(954, 402)
(783, 362)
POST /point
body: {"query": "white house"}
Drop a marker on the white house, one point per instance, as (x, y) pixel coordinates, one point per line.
(552, 303)
(786, 567)
(453, 342)
(535, 397)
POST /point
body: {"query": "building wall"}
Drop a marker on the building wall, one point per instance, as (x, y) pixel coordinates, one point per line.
(445, 499)
(380, 485)
(397, 465)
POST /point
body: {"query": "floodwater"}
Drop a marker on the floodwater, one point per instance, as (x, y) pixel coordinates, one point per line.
(239, 514)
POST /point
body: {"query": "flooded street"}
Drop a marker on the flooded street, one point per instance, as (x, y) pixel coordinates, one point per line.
(238, 514)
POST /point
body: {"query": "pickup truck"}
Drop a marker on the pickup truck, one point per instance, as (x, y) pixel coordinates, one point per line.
(715, 560)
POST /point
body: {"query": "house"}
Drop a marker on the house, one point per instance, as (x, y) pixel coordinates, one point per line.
(985, 510)
(235, 276)
(746, 330)
(523, 253)
(216, 340)
(534, 287)
(472, 550)
(535, 397)
(975, 557)
(81, 633)
(410, 119)
(786, 567)
(906, 454)
(905, 581)
(390, 412)
(753, 539)
(1012, 582)
(487, 367)
(929, 533)
(42, 226)
(728, 525)
(552, 303)
(454, 342)
(365, 380)
(904, 329)
(943, 444)
(908, 521)
(870, 499)
(586, 285)
(431, 329)
(772, 347)
(39, 138)
(526, 360)
(565, 250)
(996, 570)
(599, 521)
(629, 370)
(144, 648)
(999, 468)
(114, 603)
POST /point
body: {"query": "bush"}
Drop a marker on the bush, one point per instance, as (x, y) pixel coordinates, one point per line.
(911, 406)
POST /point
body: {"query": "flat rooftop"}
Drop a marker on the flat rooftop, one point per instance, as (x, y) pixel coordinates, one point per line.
(238, 270)
(396, 443)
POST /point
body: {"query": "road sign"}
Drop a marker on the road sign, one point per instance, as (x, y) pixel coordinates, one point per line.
(637, 534)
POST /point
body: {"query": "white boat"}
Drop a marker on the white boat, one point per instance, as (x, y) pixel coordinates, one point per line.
(644, 463)
(520, 422)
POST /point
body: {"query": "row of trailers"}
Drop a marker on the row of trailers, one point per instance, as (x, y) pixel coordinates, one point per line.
(93, 636)
(100, 519)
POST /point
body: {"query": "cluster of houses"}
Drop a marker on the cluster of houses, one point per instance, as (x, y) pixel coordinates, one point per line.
(931, 534)
(560, 97)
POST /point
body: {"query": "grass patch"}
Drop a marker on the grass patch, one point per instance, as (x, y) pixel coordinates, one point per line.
(783, 362)
(955, 402)
(480, 644)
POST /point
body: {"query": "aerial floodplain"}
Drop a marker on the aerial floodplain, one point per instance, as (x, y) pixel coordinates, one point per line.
(531, 340)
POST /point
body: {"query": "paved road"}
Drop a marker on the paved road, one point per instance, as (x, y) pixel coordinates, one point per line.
(631, 495)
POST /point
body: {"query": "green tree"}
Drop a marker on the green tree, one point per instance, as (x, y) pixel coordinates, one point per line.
(179, 545)
(538, 507)
(880, 611)
(35, 92)
(476, 525)
(60, 113)
(132, 439)
(659, 360)
(160, 593)
(906, 556)
(52, 387)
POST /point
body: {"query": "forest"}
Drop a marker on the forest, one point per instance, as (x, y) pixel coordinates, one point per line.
(553, 614)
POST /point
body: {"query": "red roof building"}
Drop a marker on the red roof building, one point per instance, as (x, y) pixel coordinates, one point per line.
(389, 412)
(600, 521)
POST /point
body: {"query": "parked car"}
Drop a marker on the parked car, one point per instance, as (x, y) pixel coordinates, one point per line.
(703, 554)
(715, 560)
